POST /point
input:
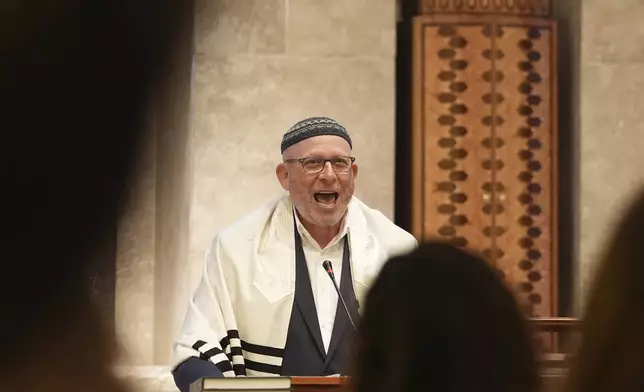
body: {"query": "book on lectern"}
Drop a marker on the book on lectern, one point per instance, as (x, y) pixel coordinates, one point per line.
(242, 384)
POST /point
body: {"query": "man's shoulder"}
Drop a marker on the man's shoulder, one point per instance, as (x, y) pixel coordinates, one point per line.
(394, 238)
(251, 224)
(233, 246)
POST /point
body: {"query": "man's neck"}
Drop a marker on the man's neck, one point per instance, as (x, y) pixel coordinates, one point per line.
(323, 235)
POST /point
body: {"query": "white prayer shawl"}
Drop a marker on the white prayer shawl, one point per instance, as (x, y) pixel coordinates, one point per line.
(239, 315)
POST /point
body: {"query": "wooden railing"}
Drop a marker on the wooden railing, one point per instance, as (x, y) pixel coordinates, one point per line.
(563, 335)
(564, 331)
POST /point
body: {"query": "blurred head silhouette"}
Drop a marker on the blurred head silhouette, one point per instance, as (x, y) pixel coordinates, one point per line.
(75, 77)
(440, 319)
(611, 356)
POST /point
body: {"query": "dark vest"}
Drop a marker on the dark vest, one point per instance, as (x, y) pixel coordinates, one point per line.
(304, 351)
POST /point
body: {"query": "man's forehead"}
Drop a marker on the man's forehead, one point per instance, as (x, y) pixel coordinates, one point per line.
(324, 144)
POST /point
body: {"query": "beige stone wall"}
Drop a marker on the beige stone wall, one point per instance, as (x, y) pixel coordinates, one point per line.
(258, 66)
(612, 121)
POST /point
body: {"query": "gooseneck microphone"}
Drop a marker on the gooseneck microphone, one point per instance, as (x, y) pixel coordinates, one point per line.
(328, 267)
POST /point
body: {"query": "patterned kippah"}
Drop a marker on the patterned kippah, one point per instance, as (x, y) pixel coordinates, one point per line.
(314, 126)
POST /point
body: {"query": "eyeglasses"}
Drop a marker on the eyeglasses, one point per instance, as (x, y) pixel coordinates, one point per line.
(316, 165)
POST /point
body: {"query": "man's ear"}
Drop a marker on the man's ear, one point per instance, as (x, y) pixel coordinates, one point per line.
(354, 169)
(281, 171)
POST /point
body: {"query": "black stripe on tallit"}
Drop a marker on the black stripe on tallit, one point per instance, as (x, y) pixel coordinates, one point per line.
(263, 367)
(198, 344)
(263, 350)
(212, 352)
(224, 343)
(225, 366)
(240, 370)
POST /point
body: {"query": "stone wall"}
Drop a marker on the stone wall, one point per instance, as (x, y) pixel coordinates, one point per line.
(611, 141)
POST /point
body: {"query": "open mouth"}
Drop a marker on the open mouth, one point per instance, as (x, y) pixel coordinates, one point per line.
(326, 199)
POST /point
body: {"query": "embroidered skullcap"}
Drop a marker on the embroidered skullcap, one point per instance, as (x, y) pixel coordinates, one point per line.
(313, 126)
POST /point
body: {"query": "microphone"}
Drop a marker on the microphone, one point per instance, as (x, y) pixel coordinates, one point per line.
(328, 267)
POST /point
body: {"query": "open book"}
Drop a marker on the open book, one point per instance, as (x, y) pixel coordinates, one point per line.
(238, 384)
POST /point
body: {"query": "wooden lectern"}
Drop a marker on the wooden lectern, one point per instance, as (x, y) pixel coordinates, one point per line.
(318, 384)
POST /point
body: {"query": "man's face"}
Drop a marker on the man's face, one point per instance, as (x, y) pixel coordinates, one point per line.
(321, 197)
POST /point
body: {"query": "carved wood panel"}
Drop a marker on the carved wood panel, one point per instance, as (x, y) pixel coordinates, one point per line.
(483, 145)
(505, 7)
(526, 182)
(452, 173)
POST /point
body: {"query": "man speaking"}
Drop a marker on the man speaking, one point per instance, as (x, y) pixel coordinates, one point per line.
(266, 305)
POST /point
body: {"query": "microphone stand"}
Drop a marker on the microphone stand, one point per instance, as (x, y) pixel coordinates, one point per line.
(328, 267)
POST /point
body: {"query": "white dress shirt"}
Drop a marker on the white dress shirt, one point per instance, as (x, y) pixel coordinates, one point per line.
(324, 294)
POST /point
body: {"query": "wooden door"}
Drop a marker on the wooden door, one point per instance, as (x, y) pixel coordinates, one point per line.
(484, 145)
